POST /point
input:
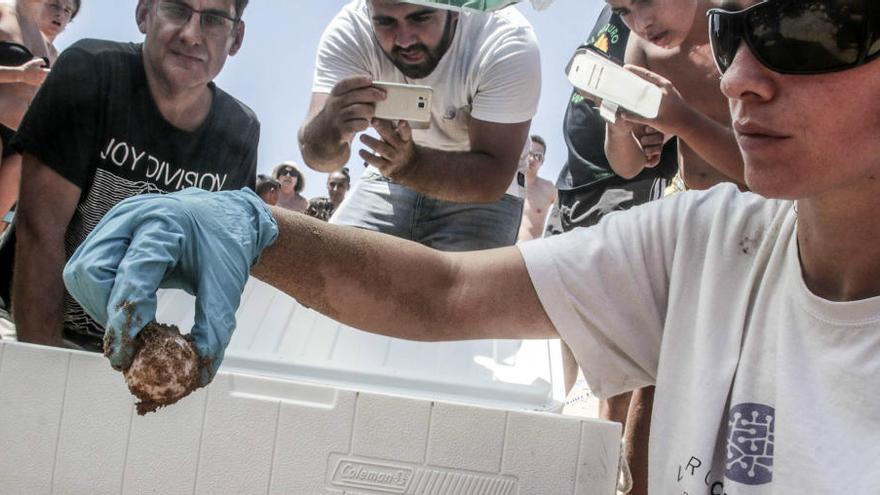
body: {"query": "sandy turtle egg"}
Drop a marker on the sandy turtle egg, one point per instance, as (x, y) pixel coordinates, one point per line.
(165, 367)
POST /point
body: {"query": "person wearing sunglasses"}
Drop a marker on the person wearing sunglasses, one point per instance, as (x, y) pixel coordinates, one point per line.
(292, 184)
(669, 47)
(756, 314)
(115, 120)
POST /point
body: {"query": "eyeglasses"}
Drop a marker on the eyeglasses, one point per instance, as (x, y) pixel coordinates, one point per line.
(214, 24)
(288, 172)
(536, 156)
(57, 8)
(799, 36)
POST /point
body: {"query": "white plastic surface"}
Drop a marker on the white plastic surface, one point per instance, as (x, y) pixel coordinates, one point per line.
(68, 426)
(276, 336)
(596, 75)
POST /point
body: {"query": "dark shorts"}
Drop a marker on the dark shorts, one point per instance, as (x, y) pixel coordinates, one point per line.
(6, 138)
(7, 260)
(586, 206)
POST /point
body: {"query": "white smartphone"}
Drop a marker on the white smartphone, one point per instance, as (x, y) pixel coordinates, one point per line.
(617, 87)
(408, 102)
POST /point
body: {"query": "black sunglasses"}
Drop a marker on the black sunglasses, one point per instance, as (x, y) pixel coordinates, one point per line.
(799, 36)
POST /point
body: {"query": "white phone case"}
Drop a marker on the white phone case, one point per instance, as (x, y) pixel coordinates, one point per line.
(404, 102)
(616, 86)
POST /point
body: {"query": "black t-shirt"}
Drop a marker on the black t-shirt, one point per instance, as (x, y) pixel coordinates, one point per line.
(94, 121)
(584, 129)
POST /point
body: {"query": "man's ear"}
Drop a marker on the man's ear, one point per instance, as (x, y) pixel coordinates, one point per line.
(143, 8)
(238, 39)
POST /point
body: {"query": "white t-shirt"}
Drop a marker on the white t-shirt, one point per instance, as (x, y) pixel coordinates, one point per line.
(491, 71)
(762, 387)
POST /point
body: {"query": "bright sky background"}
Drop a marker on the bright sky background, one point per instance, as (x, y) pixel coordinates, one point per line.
(272, 73)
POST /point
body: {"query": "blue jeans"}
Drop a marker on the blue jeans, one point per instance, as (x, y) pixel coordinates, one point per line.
(376, 203)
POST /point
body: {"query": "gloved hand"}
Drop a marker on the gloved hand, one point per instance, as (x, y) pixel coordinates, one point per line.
(202, 242)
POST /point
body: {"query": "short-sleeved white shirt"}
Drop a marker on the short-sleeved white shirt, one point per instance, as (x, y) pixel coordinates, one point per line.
(491, 71)
(762, 387)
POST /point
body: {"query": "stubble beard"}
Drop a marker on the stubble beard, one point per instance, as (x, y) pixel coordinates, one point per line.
(433, 57)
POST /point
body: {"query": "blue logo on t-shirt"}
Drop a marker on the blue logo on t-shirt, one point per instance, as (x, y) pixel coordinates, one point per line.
(750, 444)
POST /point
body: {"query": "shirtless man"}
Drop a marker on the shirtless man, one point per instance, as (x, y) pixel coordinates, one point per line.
(540, 193)
(670, 48)
(28, 29)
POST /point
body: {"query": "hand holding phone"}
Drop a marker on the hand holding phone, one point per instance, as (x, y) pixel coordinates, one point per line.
(404, 102)
(597, 75)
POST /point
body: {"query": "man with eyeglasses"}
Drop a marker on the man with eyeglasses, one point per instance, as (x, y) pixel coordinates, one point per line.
(453, 185)
(540, 193)
(116, 120)
(756, 315)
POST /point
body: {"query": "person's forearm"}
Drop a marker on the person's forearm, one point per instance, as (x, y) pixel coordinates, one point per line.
(322, 149)
(458, 176)
(38, 290)
(349, 274)
(390, 286)
(715, 143)
(623, 152)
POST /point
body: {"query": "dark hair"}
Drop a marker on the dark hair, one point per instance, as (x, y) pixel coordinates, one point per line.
(239, 8)
(300, 180)
(320, 208)
(344, 171)
(77, 4)
(538, 139)
(265, 183)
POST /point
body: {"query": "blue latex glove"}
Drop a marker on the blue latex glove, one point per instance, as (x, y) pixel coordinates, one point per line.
(204, 243)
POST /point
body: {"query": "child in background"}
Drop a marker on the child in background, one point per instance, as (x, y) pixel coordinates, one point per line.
(267, 189)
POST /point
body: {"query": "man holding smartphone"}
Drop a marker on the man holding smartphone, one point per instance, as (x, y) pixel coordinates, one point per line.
(453, 186)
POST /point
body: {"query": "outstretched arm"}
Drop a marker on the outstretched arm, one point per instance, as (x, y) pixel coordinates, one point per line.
(398, 288)
(206, 243)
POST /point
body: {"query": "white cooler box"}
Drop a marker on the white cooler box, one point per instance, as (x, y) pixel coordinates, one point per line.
(304, 405)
